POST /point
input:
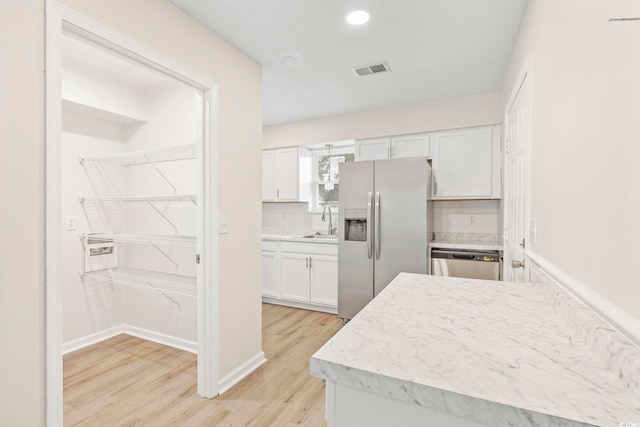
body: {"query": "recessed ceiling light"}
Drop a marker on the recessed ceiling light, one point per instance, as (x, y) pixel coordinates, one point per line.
(357, 17)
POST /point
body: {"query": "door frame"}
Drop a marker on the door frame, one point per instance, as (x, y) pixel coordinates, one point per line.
(62, 20)
(524, 78)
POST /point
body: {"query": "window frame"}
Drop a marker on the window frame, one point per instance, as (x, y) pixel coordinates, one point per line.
(315, 181)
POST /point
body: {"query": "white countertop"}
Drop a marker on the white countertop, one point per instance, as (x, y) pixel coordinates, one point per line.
(467, 244)
(288, 238)
(495, 352)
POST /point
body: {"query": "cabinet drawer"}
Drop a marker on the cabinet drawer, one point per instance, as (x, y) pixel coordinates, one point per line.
(269, 245)
(310, 248)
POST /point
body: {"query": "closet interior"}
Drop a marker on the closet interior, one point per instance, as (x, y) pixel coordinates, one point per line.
(130, 171)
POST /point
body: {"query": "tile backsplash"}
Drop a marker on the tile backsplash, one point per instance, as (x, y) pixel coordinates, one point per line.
(466, 216)
(293, 219)
(455, 216)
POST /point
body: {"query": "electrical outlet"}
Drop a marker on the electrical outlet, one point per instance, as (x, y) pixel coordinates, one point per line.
(70, 223)
(223, 224)
(471, 220)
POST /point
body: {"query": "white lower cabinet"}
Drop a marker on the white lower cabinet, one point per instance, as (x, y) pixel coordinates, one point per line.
(269, 273)
(306, 275)
(324, 280)
(294, 277)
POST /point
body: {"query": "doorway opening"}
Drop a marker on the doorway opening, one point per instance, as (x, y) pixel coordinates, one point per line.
(131, 205)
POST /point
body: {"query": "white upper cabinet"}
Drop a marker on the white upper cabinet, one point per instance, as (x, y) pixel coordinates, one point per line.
(268, 175)
(286, 175)
(410, 146)
(373, 149)
(416, 145)
(286, 168)
(466, 163)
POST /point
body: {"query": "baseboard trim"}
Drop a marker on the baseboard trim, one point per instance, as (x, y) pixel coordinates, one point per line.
(87, 340)
(623, 321)
(302, 305)
(240, 372)
(145, 334)
(160, 338)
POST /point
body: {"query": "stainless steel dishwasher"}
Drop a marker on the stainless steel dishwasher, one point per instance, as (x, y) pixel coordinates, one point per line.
(472, 264)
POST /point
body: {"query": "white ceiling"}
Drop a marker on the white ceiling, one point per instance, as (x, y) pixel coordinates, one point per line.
(436, 49)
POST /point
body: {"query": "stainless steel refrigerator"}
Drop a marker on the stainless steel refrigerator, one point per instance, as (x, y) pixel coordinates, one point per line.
(385, 227)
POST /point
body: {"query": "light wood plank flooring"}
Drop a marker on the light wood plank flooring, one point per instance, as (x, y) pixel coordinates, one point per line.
(126, 381)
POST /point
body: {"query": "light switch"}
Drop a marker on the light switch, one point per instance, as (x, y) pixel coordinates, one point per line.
(223, 224)
(70, 223)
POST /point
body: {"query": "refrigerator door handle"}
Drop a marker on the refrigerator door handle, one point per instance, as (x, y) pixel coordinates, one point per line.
(378, 225)
(369, 236)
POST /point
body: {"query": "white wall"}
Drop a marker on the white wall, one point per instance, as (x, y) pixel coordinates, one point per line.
(22, 178)
(88, 307)
(22, 346)
(174, 116)
(585, 140)
(428, 116)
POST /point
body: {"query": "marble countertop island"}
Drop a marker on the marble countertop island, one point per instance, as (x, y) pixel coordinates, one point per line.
(497, 353)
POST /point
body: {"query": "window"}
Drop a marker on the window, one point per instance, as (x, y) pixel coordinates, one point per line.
(326, 181)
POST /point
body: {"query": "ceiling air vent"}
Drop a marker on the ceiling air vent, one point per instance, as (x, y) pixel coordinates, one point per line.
(367, 70)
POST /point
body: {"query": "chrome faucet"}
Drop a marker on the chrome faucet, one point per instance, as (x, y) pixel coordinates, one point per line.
(332, 230)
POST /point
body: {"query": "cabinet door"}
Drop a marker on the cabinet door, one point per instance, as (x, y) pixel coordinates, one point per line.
(464, 164)
(324, 280)
(286, 172)
(294, 277)
(373, 149)
(270, 274)
(268, 176)
(410, 146)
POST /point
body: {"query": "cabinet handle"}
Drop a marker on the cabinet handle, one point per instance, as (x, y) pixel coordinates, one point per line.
(435, 183)
(369, 222)
(278, 193)
(388, 152)
(310, 260)
(306, 262)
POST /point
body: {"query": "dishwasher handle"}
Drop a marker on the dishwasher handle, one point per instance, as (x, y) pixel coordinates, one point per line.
(462, 256)
(485, 256)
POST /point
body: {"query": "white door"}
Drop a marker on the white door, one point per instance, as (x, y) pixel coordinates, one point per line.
(286, 164)
(373, 149)
(294, 277)
(517, 124)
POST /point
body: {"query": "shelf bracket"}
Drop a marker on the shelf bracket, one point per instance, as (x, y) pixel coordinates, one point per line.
(163, 294)
(160, 173)
(155, 208)
(164, 254)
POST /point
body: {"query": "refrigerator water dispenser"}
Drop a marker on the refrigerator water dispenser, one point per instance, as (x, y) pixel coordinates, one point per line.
(355, 225)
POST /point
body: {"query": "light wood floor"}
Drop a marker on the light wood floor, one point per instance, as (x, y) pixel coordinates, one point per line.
(126, 381)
